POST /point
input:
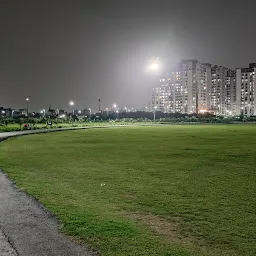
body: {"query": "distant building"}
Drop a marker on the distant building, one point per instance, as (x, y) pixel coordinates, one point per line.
(218, 89)
(245, 90)
(185, 90)
(162, 96)
(230, 95)
(201, 87)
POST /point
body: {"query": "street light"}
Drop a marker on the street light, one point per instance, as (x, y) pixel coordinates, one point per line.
(71, 103)
(27, 100)
(117, 114)
(154, 66)
(42, 112)
(90, 112)
(114, 106)
(155, 107)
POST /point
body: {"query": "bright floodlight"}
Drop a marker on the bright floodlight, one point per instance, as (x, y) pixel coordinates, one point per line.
(155, 107)
(154, 66)
(27, 99)
(71, 103)
(114, 105)
(79, 111)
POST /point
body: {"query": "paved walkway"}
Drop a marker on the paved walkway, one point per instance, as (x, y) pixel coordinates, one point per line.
(26, 227)
(5, 247)
(5, 135)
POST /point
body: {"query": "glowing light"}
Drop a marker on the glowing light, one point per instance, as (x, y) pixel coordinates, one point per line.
(71, 103)
(154, 66)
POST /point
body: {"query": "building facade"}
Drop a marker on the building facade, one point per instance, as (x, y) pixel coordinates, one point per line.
(185, 90)
(163, 96)
(195, 87)
(245, 91)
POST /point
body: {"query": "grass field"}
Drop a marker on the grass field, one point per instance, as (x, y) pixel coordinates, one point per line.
(171, 190)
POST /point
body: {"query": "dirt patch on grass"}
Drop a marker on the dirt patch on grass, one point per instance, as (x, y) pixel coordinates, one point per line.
(169, 228)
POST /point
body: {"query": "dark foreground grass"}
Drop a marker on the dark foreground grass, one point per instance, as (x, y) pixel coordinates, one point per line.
(173, 190)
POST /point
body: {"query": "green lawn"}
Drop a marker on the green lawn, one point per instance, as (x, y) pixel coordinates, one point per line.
(170, 190)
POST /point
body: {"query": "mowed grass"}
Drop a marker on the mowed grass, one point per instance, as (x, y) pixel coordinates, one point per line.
(169, 190)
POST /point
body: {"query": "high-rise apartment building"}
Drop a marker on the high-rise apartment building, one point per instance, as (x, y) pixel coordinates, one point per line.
(204, 87)
(198, 87)
(163, 96)
(218, 89)
(245, 90)
(195, 80)
(185, 90)
(230, 94)
(177, 89)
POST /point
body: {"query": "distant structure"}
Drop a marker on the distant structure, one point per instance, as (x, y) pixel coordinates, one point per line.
(245, 90)
(195, 87)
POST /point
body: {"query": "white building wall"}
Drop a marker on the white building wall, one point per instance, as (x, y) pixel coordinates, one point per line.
(238, 92)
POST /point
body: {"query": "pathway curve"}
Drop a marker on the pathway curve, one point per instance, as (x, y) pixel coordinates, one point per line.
(5, 135)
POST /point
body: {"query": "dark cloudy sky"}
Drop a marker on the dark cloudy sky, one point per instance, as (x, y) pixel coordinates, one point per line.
(53, 51)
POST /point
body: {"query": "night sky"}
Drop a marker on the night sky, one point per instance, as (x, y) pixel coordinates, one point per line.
(55, 51)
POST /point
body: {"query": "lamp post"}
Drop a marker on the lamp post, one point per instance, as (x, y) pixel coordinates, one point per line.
(43, 112)
(71, 103)
(155, 107)
(117, 114)
(27, 100)
(115, 109)
(90, 112)
(154, 69)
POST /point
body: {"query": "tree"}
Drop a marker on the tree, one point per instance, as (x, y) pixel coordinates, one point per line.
(20, 121)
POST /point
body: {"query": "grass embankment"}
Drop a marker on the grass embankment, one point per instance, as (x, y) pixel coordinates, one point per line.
(176, 190)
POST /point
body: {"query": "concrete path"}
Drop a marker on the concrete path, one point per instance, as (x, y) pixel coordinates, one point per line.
(26, 227)
(5, 135)
(5, 247)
